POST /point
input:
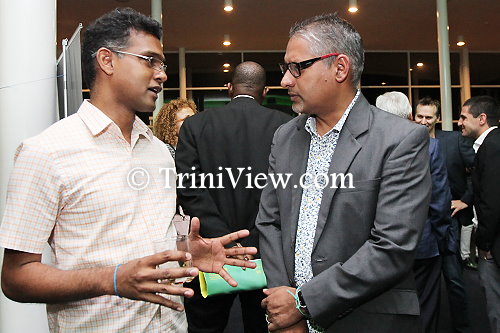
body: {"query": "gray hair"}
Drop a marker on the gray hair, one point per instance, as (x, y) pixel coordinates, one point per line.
(328, 33)
(395, 102)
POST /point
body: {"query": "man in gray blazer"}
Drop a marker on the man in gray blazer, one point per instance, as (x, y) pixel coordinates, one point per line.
(338, 240)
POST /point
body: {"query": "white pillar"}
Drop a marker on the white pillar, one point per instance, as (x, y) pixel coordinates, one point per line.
(27, 106)
(156, 13)
(444, 64)
(182, 73)
(464, 74)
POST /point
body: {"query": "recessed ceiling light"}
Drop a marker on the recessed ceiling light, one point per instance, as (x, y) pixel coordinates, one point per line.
(226, 70)
(420, 64)
(228, 5)
(460, 40)
(226, 65)
(353, 6)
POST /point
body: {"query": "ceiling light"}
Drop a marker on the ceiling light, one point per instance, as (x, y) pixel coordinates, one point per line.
(226, 65)
(420, 64)
(353, 6)
(383, 83)
(226, 70)
(228, 5)
(226, 41)
(460, 40)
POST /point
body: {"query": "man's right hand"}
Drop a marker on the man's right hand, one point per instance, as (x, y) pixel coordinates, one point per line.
(139, 279)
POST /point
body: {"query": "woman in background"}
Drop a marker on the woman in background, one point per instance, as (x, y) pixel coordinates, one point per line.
(170, 119)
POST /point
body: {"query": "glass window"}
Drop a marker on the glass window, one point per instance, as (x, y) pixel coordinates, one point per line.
(371, 94)
(385, 69)
(206, 69)
(428, 73)
(484, 68)
(493, 92)
(172, 61)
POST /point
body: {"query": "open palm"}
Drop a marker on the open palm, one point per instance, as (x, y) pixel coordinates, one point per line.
(210, 255)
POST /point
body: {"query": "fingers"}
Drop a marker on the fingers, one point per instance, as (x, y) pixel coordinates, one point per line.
(165, 256)
(240, 251)
(270, 291)
(173, 273)
(240, 263)
(226, 239)
(152, 298)
(455, 210)
(195, 227)
(225, 275)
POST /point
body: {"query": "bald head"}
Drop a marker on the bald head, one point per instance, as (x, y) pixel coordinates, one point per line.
(249, 78)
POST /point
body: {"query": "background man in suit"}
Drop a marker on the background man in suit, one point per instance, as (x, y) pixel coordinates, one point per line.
(459, 156)
(427, 266)
(341, 256)
(479, 121)
(236, 136)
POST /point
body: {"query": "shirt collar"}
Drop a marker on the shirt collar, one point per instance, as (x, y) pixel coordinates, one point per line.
(97, 122)
(243, 95)
(311, 121)
(479, 141)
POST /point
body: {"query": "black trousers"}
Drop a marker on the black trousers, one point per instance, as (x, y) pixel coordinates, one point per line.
(453, 277)
(428, 280)
(210, 315)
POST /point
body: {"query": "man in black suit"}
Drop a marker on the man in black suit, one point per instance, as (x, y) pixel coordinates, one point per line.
(479, 121)
(459, 156)
(235, 137)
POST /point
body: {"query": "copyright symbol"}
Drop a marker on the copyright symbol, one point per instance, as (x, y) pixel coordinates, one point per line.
(138, 178)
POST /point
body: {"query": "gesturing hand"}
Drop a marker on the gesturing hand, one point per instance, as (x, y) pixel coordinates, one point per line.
(139, 279)
(209, 254)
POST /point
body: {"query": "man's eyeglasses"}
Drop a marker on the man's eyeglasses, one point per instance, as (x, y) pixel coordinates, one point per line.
(296, 67)
(154, 63)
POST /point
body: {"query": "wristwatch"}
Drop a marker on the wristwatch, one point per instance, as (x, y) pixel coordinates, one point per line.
(303, 306)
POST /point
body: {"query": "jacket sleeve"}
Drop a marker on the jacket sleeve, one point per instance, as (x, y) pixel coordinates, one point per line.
(439, 207)
(468, 155)
(268, 223)
(194, 199)
(488, 208)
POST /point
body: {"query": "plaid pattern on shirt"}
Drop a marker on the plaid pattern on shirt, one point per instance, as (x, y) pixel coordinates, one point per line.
(69, 188)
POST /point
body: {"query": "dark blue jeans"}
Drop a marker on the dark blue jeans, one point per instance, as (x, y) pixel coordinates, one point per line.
(453, 276)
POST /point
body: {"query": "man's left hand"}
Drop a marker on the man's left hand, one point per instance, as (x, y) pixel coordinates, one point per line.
(280, 308)
(209, 254)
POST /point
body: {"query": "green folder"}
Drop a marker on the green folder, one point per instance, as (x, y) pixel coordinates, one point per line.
(248, 279)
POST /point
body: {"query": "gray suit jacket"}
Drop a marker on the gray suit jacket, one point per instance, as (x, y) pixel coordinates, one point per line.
(366, 236)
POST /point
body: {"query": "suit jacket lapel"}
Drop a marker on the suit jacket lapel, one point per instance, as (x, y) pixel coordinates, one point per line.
(347, 148)
(298, 163)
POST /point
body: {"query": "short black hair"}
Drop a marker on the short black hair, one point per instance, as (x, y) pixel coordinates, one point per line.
(112, 30)
(487, 105)
(433, 102)
(249, 76)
